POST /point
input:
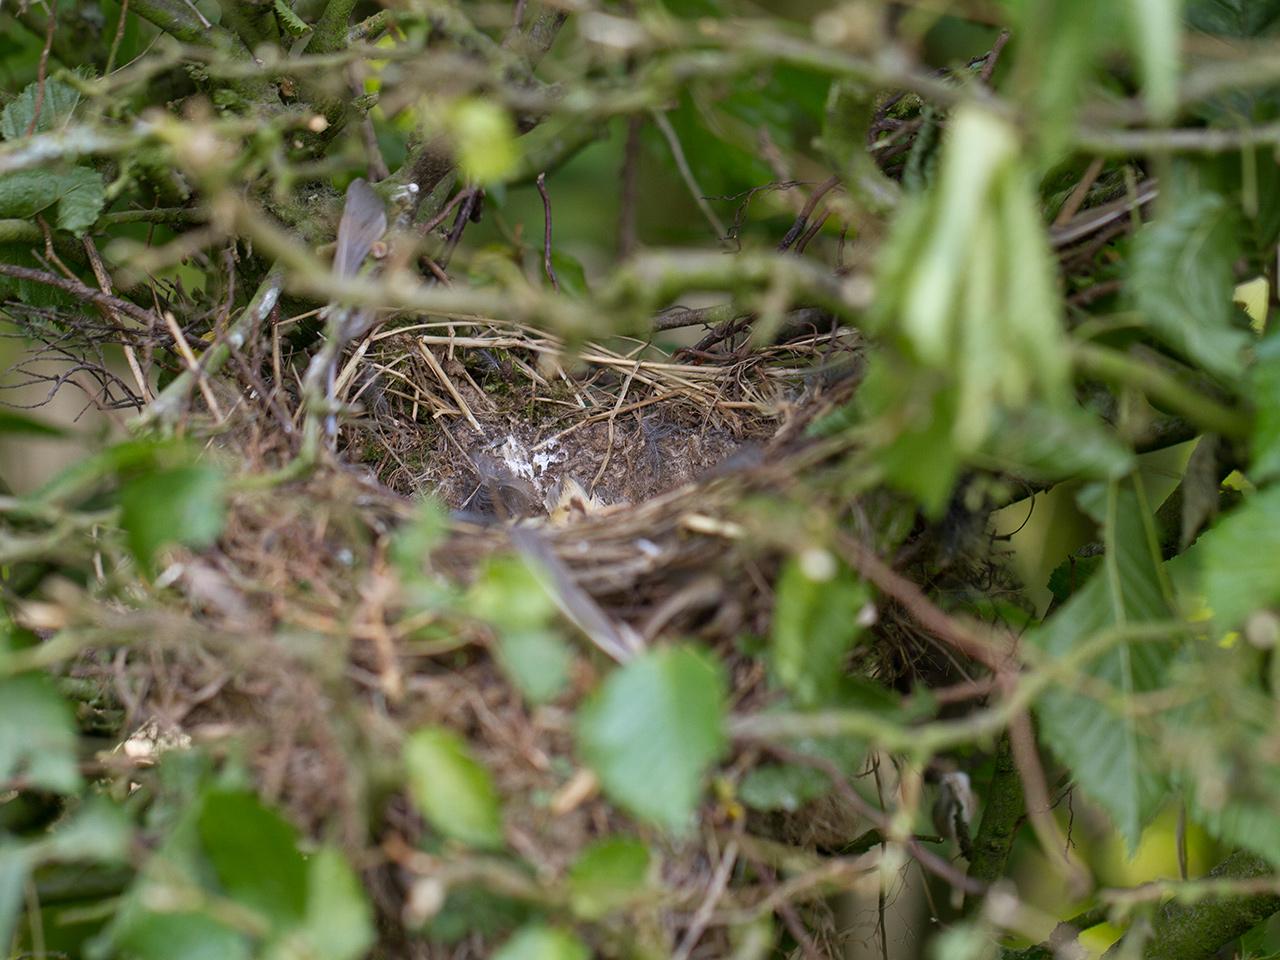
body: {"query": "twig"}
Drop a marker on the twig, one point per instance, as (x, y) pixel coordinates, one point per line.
(946, 628)
(989, 65)
(927, 858)
(1003, 810)
(1077, 197)
(433, 364)
(682, 164)
(119, 36)
(802, 218)
(78, 289)
(330, 31)
(819, 221)
(1112, 142)
(104, 281)
(261, 306)
(193, 364)
(467, 212)
(546, 232)
(715, 890)
(1198, 930)
(41, 73)
(377, 165)
(1022, 742)
(1120, 368)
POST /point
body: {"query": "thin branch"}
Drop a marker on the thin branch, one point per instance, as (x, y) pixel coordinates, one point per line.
(1124, 370)
(41, 74)
(546, 233)
(1114, 142)
(79, 290)
(1198, 930)
(1002, 813)
(331, 29)
(682, 164)
(802, 218)
(954, 633)
(935, 864)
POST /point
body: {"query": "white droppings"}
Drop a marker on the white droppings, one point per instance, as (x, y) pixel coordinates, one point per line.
(648, 548)
(268, 302)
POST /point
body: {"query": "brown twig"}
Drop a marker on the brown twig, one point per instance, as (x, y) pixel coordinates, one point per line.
(949, 630)
(1022, 742)
(989, 66)
(802, 218)
(119, 36)
(935, 864)
(715, 890)
(686, 173)
(78, 289)
(546, 232)
(104, 282)
(1078, 195)
(819, 221)
(41, 73)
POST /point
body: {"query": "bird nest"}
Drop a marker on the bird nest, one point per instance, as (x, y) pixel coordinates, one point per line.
(618, 470)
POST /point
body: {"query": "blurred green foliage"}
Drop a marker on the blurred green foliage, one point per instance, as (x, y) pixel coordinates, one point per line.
(171, 178)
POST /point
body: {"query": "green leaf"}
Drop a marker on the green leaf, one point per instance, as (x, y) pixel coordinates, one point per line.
(56, 105)
(1111, 757)
(338, 924)
(1156, 35)
(1039, 442)
(1240, 558)
(179, 505)
(540, 942)
(968, 287)
(82, 197)
(13, 880)
(472, 909)
(451, 789)
(1057, 47)
(609, 875)
(1182, 281)
(484, 139)
(78, 193)
(100, 831)
(1247, 821)
(254, 852)
(293, 24)
(537, 661)
(13, 422)
(142, 928)
(914, 416)
(1264, 391)
(652, 732)
(185, 934)
(413, 542)
(509, 594)
(815, 625)
(37, 735)
(1234, 18)
(570, 274)
(778, 786)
